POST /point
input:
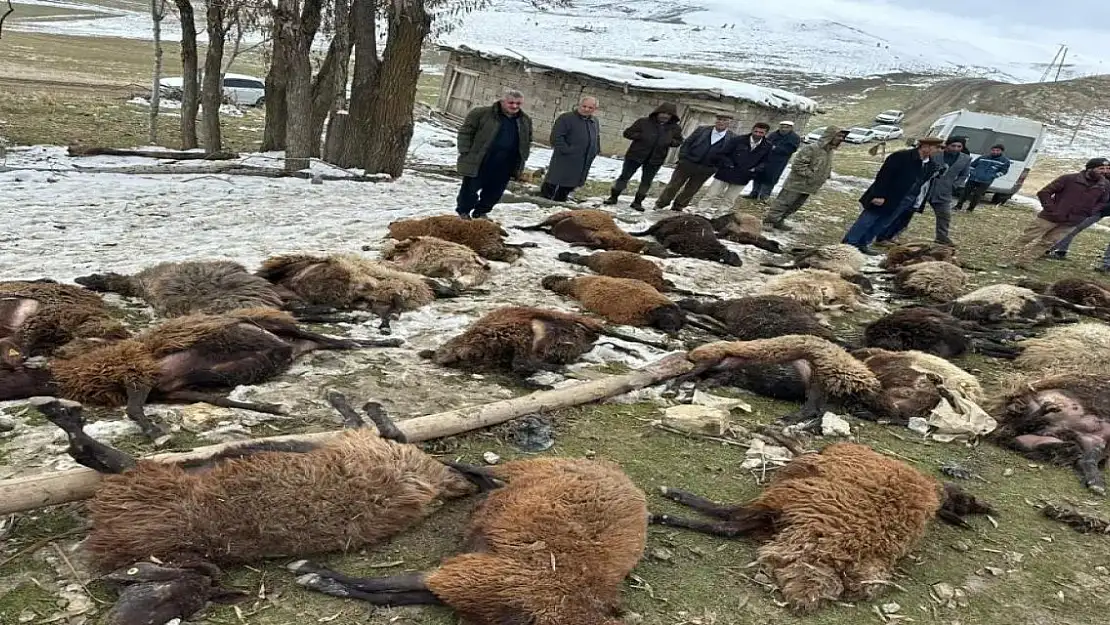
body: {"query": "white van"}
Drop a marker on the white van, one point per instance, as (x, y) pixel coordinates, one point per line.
(1022, 137)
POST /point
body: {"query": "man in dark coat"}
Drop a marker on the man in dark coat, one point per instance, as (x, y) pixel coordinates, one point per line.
(652, 137)
(698, 157)
(494, 142)
(953, 167)
(1065, 203)
(742, 160)
(784, 143)
(575, 143)
(898, 186)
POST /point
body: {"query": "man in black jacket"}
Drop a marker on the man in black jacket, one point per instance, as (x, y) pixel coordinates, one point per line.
(784, 143)
(742, 161)
(698, 157)
(652, 137)
(494, 143)
(896, 188)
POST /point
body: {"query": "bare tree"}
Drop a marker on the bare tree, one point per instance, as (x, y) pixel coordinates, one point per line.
(190, 89)
(329, 88)
(351, 139)
(295, 26)
(157, 14)
(217, 22)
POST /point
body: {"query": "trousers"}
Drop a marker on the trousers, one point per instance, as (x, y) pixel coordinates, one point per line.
(685, 182)
(479, 194)
(874, 220)
(647, 176)
(1037, 238)
(786, 204)
(1063, 244)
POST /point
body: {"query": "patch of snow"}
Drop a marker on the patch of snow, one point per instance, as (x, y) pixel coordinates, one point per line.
(228, 110)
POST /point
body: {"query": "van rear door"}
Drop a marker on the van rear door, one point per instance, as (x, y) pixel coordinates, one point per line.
(1019, 148)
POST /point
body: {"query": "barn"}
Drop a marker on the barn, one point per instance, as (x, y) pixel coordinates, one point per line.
(477, 74)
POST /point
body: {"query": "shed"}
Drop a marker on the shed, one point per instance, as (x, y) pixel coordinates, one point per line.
(477, 74)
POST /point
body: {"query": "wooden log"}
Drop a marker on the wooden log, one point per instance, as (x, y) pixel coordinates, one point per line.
(28, 493)
(81, 150)
(232, 169)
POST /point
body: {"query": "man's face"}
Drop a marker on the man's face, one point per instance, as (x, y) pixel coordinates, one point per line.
(511, 105)
(759, 133)
(954, 147)
(785, 128)
(586, 108)
(996, 152)
(1103, 170)
(930, 150)
(663, 117)
(722, 124)
(838, 138)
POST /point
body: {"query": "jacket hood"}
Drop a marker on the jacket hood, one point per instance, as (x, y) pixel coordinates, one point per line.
(827, 136)
(668, 108)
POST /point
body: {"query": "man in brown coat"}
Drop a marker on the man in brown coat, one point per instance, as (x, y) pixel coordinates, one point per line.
(652, 137)
(1065, 202)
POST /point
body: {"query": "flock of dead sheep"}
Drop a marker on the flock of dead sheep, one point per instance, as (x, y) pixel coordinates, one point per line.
(554, 537)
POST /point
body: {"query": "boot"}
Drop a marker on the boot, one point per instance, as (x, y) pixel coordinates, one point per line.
(612, 199)
(638, 202)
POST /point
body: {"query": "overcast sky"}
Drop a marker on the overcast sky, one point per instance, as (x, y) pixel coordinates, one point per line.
(1065, 14)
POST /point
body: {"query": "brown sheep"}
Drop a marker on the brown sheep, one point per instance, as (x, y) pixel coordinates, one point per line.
(935, 332)
(525, 340)
(595, 229)
(905, 254)
(436, 258)
(481, 235)
(761, 317)
(349, 281)
(1009, 304)
(620, 300)
(181, 360)
(1079, 291)
(1064, 419)
(692, 236)
(255, 500)
(744, 229)
(618, 264)
(552, 547)
(834, 524)
(38, 317)
(174, 289)
(936, 280)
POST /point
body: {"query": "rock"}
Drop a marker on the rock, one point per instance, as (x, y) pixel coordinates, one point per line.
(919, 425)
(961, 546)
(1102, 570)
(994, 570)
(834, 425)
(491, 458)
(7, 424)
(633, 618)
(760, 453)
(662, 554)
(944, 592)
(891, 608)
(708, 400)
(26, 616)
(1008, 473)
(697, 419)
(441, 143)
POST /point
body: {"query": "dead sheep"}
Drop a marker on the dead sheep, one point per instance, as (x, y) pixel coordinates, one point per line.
(174, 289)
(844, 260)
(761, 317)
(617, 264)
(586, 517)
(39, 317)
(249, 502)
(350, 281)
(1063, 419)
(744, 229)
(1082, 347)
(935, 332)
(595, 229)
(834, 524)
(184, 359)
(895, 363)
(692, 236)
(481, 235)
(1009, 304)
(1079, 291)
(899, 256)
(816, 288)
(437, 258)
(522, 339)
(620, 300)
(935, 280)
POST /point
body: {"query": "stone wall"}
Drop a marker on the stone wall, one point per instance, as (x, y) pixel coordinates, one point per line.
(549, 93)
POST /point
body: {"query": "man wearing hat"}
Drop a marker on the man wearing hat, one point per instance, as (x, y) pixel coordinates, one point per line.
(1065, 203)
(784, 143)
(984, 170)
(953, 169)
(698, 157)
(900, 185)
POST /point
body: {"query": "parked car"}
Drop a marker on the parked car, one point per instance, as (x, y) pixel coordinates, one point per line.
(860, 135)
(815, 134)
(887, 132)
(890, 117)
(238, 89)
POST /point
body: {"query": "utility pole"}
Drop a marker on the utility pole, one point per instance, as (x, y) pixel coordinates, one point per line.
(1048, 70)
(1061, 65)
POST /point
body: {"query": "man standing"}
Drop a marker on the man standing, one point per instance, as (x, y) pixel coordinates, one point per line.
(494, 142)
(652, 137)
(897, 187)
(811, 169)
(741, 161)
(952, 171)
(1065, 203)
(784, 143)
(984, 170)
(1060, 250)
(697, 162)
(575, 142)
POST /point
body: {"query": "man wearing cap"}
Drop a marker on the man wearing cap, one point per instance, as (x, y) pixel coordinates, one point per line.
(899, 186)
(1065, 203)
(698, 157)
(953, 167)
(984, 170)
(784, 143)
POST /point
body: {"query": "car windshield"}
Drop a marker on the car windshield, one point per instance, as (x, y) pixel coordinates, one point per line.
(891, 112)
(817, 131)
(860, 131)
(885, 128)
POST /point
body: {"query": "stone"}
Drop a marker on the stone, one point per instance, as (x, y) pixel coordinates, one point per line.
(944, 592)
(834, 425)
(491, 458)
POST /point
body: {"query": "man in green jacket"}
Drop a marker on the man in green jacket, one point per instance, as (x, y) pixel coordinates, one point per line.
(811, 168)
(494, 142)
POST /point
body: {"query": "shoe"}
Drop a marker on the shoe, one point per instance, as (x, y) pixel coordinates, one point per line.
(465, 216)
(1056, 255)
(751, 197)
(947, 243)
(638, 204)
(869, 252)
(884, 243)
(612, 199)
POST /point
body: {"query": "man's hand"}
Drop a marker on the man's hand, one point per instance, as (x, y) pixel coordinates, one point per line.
(878, 201)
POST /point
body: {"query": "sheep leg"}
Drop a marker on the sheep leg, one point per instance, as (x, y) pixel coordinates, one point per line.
(697, 502)
(223, 402)
(715, 331)
(817, 398)
(688, 293)
(617, 334)
(997, 350)
(136, 399)
(325, 342)
(335, 588)
(714, 528)
(622, 349)
(441, 290)
(482, 477)
(86, 450)
(351, 419)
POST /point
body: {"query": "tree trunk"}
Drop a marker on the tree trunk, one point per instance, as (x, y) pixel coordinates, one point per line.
(350, 141)
(211, 95)
(273, 134)
(157, 12)
(389, 125)
(190, 97)
(300, 145)
(329, 90)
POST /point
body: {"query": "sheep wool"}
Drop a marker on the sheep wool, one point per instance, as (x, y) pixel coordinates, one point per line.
(909, 253)
(999, 302)
(620, 300)
(437, 258)
(816, 288)
(620, 264)
(347, 281)
(761, 317)
(481, 235)
(952, 376)
(1082, 347)
(44, 316)
(845, 260)
(936, 280)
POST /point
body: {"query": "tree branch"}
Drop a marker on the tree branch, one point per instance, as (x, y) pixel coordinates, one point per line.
(11, 9)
